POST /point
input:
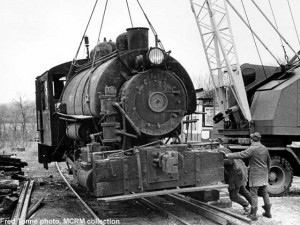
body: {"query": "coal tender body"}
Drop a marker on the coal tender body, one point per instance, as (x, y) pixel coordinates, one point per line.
(108, 115)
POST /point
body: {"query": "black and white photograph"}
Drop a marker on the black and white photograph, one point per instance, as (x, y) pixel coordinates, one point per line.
(149, 112)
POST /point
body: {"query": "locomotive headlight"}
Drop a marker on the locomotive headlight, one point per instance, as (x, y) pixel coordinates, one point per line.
(156, 56)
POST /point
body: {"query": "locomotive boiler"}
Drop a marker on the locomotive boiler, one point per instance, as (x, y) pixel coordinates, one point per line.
(109, 116)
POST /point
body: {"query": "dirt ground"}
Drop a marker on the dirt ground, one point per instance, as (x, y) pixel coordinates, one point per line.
(285, 210)
(61, 203)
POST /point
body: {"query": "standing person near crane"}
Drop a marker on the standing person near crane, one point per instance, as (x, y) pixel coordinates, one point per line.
(259, 163)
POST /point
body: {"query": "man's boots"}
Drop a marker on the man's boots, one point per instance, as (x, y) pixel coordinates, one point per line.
(247, 210)
(252, 214)
(267, 212)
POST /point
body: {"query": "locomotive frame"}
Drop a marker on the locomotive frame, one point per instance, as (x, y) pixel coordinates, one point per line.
(107, 116)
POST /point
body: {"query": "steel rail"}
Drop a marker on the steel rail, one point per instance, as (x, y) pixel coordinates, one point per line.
(162, 210)
(216, 214)
(99, 221)
(238, 216)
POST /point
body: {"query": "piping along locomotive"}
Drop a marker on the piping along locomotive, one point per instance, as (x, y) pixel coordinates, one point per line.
(107, 115)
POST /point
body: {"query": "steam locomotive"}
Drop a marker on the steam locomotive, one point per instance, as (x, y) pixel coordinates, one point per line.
(108, 115)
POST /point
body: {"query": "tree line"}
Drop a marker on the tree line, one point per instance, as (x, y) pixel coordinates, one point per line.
(17, 123)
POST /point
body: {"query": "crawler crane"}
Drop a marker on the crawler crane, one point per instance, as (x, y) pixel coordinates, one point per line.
(252, 97)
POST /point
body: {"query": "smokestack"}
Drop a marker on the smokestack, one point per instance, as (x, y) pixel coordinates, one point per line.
(137, 38)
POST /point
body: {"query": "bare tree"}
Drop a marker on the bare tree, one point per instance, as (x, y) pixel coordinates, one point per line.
(23, 114)
(4, 112)
(204, 82)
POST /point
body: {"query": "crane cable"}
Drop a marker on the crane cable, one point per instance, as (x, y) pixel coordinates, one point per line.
(259, 9)
(75, 58)
(275, 21)
(152, 28)
(247, 25)
(88, 81)
(98, 40)
(293, 21)
(257, 50)
(83, 36)
(129, 13)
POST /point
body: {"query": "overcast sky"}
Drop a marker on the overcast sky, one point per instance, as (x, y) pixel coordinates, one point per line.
(36, 35)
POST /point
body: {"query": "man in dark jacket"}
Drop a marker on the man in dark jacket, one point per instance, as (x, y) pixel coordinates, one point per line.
(236, 176)
(259, 163)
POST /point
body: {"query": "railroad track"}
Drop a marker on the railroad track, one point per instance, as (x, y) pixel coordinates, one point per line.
(215, 214)
(163, 205)
(80, 199)
(125, 211)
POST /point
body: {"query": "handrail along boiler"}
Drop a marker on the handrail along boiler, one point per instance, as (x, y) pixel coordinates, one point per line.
(107, 115)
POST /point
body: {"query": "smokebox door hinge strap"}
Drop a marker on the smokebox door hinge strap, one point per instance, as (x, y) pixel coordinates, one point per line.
(126, 183)
(112, 169)
(138, 160)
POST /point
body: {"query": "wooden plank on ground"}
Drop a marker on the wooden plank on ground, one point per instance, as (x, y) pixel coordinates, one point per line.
(9, 184)
(12, 162)
(17, 212)
(34, 208)
(9, 202)
(163, 192)
(26, 203)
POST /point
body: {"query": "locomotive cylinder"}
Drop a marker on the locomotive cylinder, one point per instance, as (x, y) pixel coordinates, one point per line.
(85, 178)
(76, 131)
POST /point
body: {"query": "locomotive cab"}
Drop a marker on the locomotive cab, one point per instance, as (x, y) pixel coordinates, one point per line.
(49, 87)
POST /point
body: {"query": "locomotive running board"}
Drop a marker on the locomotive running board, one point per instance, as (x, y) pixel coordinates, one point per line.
(162, 192)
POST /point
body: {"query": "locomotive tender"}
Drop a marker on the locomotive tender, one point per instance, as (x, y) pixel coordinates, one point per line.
(108, 114)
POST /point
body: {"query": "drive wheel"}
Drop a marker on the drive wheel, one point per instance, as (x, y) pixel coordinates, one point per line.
(280, 176)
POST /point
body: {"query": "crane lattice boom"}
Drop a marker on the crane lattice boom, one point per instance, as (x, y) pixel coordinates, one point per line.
(219, 47)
